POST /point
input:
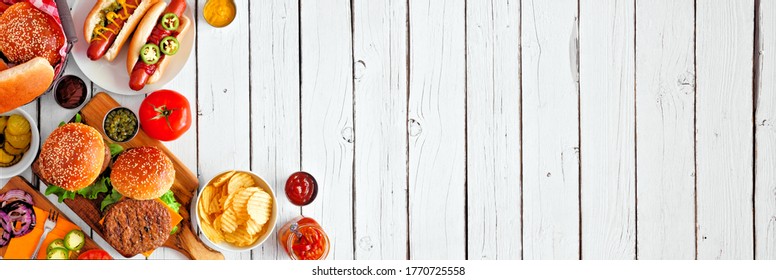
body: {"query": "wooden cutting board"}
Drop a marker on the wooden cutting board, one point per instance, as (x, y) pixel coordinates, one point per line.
(40, 201)
(184, 187)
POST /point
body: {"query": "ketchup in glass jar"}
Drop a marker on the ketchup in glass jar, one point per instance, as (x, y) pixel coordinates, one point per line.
(304, 239)
(301, 188)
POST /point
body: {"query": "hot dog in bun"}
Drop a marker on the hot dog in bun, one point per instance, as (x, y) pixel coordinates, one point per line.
(110, 23)
(157, 36)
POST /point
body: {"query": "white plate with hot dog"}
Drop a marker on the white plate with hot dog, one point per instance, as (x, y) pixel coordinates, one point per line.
(112, 65)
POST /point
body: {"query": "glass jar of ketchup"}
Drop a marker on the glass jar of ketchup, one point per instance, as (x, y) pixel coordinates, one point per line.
(304, 239)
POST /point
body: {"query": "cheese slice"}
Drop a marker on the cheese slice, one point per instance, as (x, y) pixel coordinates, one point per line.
(175, 219)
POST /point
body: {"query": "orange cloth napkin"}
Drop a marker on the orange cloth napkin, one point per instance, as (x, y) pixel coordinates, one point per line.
(23, 247)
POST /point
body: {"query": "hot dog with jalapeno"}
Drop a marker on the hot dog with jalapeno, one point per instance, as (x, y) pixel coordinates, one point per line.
(110, 23)
(157, 36)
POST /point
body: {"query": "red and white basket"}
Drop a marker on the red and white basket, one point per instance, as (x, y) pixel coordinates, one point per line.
(59, 10)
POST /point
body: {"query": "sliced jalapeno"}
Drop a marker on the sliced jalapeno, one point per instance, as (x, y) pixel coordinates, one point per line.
(169, 45)
(170, 21)
(149, 53)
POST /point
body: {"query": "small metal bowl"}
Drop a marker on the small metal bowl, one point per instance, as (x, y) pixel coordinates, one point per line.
(64, 103)
(134, 132)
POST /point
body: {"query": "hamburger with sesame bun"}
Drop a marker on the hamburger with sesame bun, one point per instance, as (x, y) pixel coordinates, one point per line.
(143, 177)
(142, 173)
(72, 157)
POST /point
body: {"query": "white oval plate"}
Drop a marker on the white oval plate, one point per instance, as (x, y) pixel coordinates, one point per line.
(113, 76)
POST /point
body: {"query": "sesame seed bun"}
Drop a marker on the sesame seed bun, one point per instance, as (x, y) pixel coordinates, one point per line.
(26, 33)
(142, 173)
(72, 157)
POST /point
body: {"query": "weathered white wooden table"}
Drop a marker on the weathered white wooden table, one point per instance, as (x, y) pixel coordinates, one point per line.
(495, 129)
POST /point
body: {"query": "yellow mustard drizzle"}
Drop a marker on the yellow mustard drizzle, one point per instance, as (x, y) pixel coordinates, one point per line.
(111, 17)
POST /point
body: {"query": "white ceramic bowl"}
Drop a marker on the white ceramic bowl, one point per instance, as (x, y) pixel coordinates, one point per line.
(30, 155)
(266, 231)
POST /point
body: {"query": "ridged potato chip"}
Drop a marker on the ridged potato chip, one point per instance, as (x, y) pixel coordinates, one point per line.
(260, 207)
(219, 181)
(229, 221)
(239, 237)
(253, 227)
(240, 201)
(240, 181)
(214, 235)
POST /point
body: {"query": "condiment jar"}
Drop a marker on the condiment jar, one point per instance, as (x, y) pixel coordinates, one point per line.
(219, 13)
(304, 239)
(70, 92)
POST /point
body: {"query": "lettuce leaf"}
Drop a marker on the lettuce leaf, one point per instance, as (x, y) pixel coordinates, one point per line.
(61, 193)
(93, 190)
(115, 149)
(113, 197)
(169, 199)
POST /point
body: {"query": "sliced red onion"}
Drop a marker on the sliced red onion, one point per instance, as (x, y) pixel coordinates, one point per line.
(14, 195)
(6, 229)
(22, 217)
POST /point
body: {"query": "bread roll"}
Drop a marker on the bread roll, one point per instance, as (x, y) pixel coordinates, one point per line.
(22, 84)
(72, 157)
(142, 173)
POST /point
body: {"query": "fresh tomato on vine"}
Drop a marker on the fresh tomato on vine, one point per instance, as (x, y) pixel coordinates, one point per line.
(165, 115)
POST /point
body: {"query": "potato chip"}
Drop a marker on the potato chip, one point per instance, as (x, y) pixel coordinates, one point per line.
(217, 224)
(204, 201)
(253, 227)
(260, 206)
(239, 181)
(240, 202)
(229, 220)
(219, 181)
(240, 237)
(211, 233)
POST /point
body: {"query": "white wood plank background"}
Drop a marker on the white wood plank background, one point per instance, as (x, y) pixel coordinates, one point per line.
(437, 118)
(665, 128)
(724, 115)
(496, 129)
(765, 153)
(380, 164)
(550, 127)
(607, 129)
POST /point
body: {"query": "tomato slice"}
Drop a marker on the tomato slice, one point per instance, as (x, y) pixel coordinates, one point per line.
(95, 254)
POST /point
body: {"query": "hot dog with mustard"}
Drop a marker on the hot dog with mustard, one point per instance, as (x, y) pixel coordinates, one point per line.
(110, 23)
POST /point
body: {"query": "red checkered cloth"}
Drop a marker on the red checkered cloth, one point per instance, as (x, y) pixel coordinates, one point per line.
(49, 7)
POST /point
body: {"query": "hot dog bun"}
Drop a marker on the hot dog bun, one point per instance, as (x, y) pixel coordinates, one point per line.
(94, 18)
(142, 33)
(23, 83)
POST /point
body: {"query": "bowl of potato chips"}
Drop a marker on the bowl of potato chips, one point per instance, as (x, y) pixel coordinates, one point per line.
(236, 211)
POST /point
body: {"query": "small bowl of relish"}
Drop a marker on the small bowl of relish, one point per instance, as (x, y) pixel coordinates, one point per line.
(120, 124)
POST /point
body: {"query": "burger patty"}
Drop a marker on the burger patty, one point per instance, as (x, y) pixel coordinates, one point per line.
(136, 226)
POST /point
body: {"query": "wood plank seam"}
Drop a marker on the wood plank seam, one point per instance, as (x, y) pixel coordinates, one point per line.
(635, 137)
(755, 94)
(407, 126)
(579, 123)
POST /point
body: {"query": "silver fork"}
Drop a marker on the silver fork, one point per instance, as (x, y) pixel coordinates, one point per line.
(51, 222)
